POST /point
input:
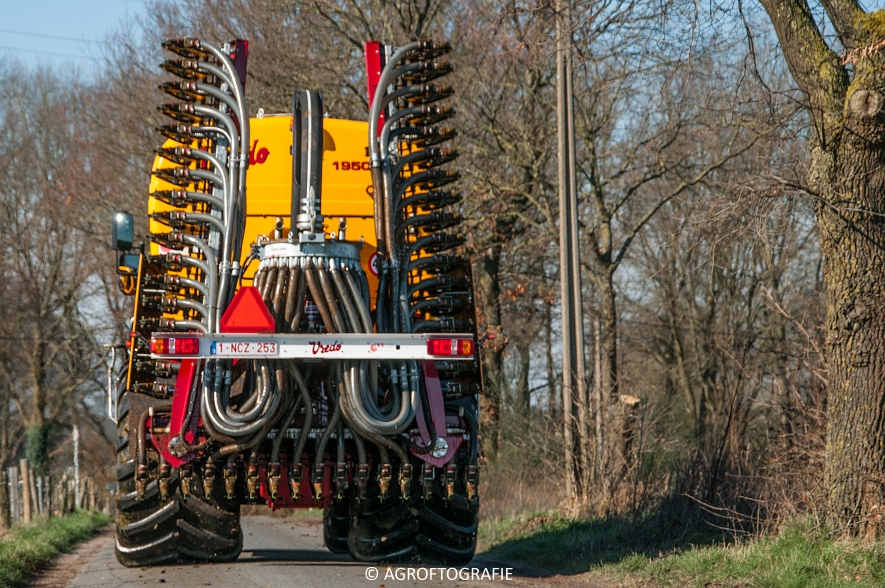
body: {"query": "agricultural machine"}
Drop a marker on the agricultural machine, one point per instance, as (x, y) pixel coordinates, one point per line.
(303, 333)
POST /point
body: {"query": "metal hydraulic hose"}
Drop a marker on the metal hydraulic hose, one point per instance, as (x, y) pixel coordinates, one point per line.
(240, 159)
(237, 424)
(384, 81)
(215, 130)
(344, 297)
(294, 297)
(366, 432)
(326, 287)
(269, 282)
(403, 92)
(216, 93)
(207, 198)
(308, 410)
(229, 215)
(378, 181)
(202, 174)
(327, 433)
(388, 125)
(360, 406)
(251, 410)
(203, 267)
(278, 307)
(317, 295)
(211, 275)
(284, 426)
(362, 305)
(228, 187)
(189, 305)
(197, 217)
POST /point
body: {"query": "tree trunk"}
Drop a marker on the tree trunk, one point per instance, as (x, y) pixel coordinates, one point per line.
(552, 394)
(848, 180)
(854, 275)
(523, 389)
(487, 289)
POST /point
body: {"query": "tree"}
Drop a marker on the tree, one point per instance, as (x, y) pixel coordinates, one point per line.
(46, 283)
(844, 98)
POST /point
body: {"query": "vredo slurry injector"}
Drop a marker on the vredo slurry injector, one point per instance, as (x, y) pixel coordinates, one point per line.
(303, 332)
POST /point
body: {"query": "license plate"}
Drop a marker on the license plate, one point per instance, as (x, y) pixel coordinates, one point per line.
(245, 348)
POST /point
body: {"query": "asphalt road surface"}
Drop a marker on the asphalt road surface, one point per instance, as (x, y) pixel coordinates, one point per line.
(288, 552)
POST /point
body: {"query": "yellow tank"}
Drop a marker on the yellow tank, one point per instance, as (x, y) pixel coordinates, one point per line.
(346, 191)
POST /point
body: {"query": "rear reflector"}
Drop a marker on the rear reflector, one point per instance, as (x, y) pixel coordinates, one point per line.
(175, 345)
(450, 347)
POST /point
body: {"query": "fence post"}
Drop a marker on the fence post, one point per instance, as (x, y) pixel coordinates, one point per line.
(4, 501)
(49, 501)
(26, 490)
(91, 495)
(40, 501)
(80, 500)
(76, 439)
(12, 474)
(35, 505)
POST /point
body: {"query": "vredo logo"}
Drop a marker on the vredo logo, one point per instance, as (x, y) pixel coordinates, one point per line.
(256, 155)
(320, 347)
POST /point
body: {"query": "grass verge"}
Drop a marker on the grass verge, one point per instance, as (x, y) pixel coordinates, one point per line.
(636, 554)
(555, 543)
(29, 546)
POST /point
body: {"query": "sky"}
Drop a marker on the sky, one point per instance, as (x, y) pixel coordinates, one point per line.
(61, 33)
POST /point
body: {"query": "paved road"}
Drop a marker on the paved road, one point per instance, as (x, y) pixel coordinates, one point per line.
(286, 553)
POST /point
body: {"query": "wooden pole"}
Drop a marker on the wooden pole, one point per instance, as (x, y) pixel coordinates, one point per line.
(4, 500)
(12, 474)
(35, 505)
(91, 494)
(26, 490)
(40, 501)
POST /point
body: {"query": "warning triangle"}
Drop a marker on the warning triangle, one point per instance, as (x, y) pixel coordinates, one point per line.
(247, 313)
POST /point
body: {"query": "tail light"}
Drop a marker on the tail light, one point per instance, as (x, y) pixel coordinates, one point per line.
(450, 347)
(175, 345)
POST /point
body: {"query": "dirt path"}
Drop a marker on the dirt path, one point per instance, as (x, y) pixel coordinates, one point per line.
(65, 567)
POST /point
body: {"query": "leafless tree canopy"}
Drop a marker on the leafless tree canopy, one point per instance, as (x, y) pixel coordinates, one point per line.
(703, 277)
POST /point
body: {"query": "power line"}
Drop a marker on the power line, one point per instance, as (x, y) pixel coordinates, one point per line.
(47, 36)
(50, 53)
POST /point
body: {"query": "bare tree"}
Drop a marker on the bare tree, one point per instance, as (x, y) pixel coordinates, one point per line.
(844, 99)
(47, 287)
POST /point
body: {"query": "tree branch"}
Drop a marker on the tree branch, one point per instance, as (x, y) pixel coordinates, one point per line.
(814, 65)
(844, 14)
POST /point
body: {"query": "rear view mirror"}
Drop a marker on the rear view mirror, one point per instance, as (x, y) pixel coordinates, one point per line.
(122, 231)
(128, 263)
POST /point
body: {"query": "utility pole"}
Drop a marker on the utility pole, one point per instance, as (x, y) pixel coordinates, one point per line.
(76, 466)
(573, 385)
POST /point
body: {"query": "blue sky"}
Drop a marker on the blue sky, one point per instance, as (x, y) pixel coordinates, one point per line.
(62, 33)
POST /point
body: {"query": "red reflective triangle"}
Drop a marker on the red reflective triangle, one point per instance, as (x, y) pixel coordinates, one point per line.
(247, 313)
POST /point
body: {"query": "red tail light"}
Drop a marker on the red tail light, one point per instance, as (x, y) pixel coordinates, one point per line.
(457, 347)
(175, 345)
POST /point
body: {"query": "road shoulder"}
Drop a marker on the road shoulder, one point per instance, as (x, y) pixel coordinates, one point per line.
(60, 571)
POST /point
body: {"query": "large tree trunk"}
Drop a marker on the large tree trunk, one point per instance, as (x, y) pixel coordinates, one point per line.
(848, 180)
(487, 289)
(854, 250)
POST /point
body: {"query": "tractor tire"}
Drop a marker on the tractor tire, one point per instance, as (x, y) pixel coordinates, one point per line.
(382, 531)
(447, 530)
(156, 531)
(336, 524)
